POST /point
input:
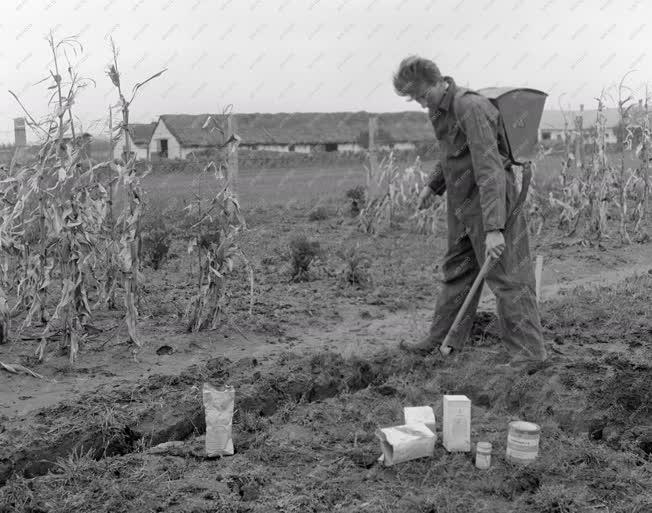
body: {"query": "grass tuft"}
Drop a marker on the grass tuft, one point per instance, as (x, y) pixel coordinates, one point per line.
(319, 214)
(303, 252)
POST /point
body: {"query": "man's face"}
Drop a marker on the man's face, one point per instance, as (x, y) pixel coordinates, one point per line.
(436, 94)
(429, 95)
(420, 94)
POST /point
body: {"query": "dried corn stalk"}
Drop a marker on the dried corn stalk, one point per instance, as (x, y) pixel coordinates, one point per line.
(131, 215)
(377, 212)
(602, 190)
(50, 215)
(215, 242)
(207, 305)
(585, 194)
(73, 224)
(637, 184)
(408, 185)
(403, 187)
(128, 258)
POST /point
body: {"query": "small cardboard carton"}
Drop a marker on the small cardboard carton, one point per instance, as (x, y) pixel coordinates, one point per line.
(456, 423)
(420, 415)
(404, 443)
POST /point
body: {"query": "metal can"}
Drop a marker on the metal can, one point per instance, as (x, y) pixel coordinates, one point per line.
(523, 442)
(483, 455)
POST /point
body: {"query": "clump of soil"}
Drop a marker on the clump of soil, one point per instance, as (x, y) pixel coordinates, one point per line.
(621, 410)
(625, 396)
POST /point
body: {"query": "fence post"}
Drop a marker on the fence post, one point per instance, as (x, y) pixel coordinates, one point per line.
(232, 159)
(378, 184)
(372, 174)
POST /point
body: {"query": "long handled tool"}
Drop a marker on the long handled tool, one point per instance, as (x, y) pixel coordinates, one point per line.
(444, 348)
(445, 345)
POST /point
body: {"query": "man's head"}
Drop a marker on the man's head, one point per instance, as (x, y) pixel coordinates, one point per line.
(420, 79)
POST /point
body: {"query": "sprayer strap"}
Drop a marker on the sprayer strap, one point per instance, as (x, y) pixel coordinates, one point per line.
(527, 166)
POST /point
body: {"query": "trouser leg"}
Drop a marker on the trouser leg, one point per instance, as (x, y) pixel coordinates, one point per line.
(512, 281)
(460, 268)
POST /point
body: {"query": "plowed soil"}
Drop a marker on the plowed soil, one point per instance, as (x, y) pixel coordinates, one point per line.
(317, 370)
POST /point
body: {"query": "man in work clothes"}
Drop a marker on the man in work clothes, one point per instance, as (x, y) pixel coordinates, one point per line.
(481, 193)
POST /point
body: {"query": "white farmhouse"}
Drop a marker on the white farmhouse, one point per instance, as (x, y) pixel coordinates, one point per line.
(555, 123)
(139, 136)
(176, 136)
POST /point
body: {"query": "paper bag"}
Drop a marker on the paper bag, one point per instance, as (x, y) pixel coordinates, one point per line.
(218, 409)
(420, 415)
(403, 443)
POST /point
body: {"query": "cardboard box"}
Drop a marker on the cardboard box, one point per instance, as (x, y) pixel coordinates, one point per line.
(404, 443)
(456, 423)
(420, 415)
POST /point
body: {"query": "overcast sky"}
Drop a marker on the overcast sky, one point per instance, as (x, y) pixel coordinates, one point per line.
(318, 55)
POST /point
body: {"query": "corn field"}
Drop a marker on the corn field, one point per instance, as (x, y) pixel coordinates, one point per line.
(600, 189)
(398, 198)
(65, 252)
(594, 199)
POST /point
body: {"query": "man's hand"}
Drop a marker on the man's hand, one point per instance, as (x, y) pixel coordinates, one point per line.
(424, 197)
(494, 244)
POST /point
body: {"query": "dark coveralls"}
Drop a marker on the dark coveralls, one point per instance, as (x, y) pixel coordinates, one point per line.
(481, 193)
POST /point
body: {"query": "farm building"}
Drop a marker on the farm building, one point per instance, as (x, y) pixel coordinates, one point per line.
(555, 122)
(178, 135)
(19, 151)
(139, 136)
(20, 154)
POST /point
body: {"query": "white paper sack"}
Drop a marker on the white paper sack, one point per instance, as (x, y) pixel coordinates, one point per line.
(218, 409)
(421, 415)
(404, 443)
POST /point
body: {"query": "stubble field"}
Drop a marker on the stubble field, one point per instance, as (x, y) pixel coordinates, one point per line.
(317, 369)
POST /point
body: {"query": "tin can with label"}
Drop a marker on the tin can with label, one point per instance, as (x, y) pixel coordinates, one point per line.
(523, 442)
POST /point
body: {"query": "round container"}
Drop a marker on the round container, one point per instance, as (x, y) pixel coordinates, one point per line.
(523, 442)
(483, 455)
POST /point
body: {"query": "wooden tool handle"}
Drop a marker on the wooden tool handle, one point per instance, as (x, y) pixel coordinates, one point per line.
(444, 348)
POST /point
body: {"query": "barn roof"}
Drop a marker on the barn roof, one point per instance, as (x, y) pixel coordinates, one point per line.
(198, 130)
(141, 133)
(195, 130)
(554, 119)
(202, 130)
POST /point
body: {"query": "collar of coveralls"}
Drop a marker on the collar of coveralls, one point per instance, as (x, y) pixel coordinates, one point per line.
(447, 99)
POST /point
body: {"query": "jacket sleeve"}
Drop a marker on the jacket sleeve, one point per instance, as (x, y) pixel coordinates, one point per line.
(479, 121)
(436, 180)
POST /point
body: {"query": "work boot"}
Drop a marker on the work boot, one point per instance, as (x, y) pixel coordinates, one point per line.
(422, 348)
(526, 363)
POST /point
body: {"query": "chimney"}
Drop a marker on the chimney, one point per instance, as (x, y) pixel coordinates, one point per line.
(20, 136)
